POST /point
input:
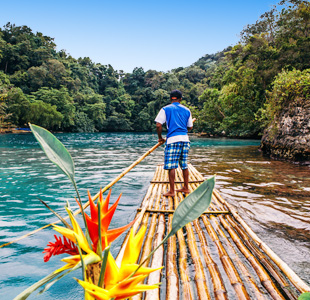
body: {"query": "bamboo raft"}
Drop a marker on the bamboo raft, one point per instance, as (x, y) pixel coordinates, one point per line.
(217, 256)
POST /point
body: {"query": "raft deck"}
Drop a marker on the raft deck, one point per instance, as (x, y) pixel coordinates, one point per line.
(217, 256)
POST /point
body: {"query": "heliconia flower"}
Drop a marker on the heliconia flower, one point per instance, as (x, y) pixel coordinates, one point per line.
(121, 283)
(107, 213)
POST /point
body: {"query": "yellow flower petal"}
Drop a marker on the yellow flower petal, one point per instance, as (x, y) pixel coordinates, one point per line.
(127, 270)
(94, 290)
(111, 273)
(133, 247)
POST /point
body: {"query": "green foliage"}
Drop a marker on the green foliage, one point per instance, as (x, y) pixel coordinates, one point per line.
(226, 91)
(44, 114)
(288, 87)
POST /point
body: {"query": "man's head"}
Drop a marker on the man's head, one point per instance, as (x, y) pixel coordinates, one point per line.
(175, 95)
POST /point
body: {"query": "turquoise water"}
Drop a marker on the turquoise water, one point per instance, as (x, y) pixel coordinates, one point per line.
(272, 196)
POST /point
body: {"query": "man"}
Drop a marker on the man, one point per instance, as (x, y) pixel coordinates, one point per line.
(179, 120)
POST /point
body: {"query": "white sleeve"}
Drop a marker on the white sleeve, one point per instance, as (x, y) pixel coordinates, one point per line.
(190, 121)
(161, 117)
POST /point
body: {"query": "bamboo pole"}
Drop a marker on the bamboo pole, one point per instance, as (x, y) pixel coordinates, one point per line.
(291, 275)
(187, 291)
(200, 279)
(157, 259)
(248, 277)
(87, 203)
(172, 288)
(228, 265)
(285, 286)
(219, 290)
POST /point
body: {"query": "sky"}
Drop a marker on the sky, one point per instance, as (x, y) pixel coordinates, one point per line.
(158, 35)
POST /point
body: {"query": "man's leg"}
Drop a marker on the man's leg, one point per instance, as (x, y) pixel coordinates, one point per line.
(183, 164)
(185, 188)
(171, 192)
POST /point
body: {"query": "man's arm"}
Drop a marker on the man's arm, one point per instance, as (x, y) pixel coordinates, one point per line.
(190, 128)
(159, 129)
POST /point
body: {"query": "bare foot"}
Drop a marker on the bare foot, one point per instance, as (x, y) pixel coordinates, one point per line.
(169, 194)
(184, 190)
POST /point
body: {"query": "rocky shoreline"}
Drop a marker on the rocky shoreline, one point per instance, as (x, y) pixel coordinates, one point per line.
(288, 138)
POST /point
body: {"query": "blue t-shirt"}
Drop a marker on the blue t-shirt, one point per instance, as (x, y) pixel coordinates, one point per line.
(177, 117)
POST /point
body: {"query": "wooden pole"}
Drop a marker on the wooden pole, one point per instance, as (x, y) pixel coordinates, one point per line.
(97, 195)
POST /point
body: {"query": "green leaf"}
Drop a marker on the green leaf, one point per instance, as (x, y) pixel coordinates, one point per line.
(55, 150)
(192, 206)
(59, 155)
(103, 266)
(304, 296)
(26, 293)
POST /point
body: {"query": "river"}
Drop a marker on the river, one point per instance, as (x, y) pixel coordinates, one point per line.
(272, 196)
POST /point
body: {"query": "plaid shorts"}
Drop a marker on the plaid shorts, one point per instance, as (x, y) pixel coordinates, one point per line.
(176, 153)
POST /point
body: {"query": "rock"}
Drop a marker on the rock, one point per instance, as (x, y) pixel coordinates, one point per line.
(289, 139)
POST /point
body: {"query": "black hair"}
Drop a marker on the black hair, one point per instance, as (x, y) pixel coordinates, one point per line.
(176, 93)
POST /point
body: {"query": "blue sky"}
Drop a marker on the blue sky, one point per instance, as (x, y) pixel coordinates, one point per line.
(159, 35)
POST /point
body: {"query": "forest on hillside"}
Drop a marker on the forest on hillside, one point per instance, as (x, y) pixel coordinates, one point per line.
(235, 92)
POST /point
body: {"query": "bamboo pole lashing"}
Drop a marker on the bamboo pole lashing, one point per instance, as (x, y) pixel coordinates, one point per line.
(244, 271)
(219, 289)
(94, 198)
(228, 265)
(261, 272)
(200, 279)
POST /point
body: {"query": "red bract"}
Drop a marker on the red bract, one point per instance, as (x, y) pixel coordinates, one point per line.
(59, 247)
